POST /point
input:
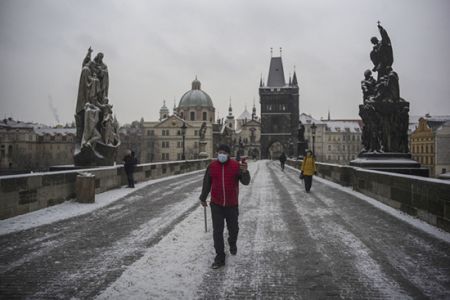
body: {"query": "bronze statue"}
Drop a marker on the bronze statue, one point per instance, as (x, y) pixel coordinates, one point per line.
(381, 54)
(384, 113)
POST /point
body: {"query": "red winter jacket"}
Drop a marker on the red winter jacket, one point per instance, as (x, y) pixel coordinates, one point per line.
(223, 182)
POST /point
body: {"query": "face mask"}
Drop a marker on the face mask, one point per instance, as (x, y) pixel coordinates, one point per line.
(222, 157)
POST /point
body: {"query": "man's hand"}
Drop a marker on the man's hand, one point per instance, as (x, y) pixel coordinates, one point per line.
(204, 203)
(243, 165)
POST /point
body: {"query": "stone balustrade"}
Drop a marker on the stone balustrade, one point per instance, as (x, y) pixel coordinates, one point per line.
(425, 198)
(24, 193)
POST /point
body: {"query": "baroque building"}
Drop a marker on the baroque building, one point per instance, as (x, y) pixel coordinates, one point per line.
(430, 143)
(335, 140)
(165, 137)
(279, 112)
(26, 147)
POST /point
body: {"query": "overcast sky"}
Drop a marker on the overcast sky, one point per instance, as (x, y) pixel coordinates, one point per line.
(154, 49)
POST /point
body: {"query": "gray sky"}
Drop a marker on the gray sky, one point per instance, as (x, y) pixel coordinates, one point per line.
(154, 49)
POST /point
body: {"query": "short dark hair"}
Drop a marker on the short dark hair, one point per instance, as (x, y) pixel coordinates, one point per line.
(224, 147)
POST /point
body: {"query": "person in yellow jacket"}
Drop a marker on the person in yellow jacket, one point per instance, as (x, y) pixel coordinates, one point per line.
(308, 169)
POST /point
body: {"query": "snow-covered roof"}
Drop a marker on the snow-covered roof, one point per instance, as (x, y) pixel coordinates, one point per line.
(308, 119)
(54, 131)
(11, 123)
(343, 125)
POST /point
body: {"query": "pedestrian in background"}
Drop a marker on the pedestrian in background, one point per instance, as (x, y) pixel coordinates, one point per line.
(222, 179)
(283, 159)
(308, 169)
(130, 162)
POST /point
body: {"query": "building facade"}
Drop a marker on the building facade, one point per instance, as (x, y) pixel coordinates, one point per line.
(28, 147)
(430, 144)
(164, 138)
(279, 112)
(335, 141)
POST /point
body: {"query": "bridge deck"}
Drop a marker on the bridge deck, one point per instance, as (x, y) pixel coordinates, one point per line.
(151, 244)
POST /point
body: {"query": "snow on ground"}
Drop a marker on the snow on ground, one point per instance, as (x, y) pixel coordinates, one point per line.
(174, 268)
(422, 225)
(71, 208)
(184, 254)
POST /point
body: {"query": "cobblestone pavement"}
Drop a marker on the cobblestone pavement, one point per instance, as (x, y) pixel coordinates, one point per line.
(79, 257)
(327, 244)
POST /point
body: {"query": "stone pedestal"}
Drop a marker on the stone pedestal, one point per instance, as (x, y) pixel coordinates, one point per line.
(301, 148)
(85, 188)
(389, 162)
(202, 153)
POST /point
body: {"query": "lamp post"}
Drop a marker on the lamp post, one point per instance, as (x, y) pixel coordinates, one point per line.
(183, 133)
(313, 132)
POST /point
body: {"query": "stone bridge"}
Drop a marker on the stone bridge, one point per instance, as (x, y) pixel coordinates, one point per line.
(150, 243)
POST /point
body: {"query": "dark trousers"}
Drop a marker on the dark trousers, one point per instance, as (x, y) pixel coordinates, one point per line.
(282, 164)
(307, 179)
(130, 179)
(219, 215)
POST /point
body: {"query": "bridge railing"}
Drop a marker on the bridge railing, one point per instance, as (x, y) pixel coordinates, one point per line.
(24, 193)
(425, 198)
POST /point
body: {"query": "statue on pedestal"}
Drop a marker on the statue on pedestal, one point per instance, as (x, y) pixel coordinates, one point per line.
(384, 112)
(97, 137)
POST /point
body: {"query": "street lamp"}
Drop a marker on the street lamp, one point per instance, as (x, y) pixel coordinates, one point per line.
(183, 133)
(313, 132)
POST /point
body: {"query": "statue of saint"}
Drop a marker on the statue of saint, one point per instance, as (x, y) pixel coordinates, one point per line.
(368, 85)
(381, 54)
(301, 132)
(202, 131)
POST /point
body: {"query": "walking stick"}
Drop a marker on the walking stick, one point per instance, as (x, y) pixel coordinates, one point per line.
(206, 226)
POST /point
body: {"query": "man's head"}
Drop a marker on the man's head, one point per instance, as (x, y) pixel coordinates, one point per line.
(374, 40)
(309, 153)
(367, 74)
(223, 151)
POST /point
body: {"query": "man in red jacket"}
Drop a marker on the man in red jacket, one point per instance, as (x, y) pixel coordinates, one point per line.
(222, 179)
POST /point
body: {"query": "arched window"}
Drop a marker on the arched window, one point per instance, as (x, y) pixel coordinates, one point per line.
(205, 116)
(192, 115)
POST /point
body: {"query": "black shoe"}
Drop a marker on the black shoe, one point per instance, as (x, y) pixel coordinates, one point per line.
(233, 250)
(218, 264)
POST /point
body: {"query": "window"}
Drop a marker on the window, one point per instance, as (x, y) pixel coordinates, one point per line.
(205, 116)
(195, 144)
(192, 115)
(165, 156)
(196, 132)
(329, 147)
(178, 156)
(165, 144)
(150, 132)
(179, 144)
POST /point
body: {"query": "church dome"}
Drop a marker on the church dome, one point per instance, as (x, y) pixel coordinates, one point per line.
(195, 97)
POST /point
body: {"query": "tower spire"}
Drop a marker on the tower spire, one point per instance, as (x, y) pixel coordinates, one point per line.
(294, 79)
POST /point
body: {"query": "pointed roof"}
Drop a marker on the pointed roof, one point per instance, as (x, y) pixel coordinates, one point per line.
(294, 79)
(276, 73)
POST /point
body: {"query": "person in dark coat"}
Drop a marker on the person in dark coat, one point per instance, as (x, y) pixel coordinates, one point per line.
(222, 179)
(283, 159)
(130, 162)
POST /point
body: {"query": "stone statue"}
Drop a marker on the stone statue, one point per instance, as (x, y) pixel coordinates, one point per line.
(97, 137)
(384, 113)
(301, 132)
(368, 85)
(90, 133)
(202, 131)
(381, 54)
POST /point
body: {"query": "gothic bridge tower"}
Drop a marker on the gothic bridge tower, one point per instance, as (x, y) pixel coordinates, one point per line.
(279, 112)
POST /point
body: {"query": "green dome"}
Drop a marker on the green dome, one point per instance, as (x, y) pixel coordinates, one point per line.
(195, 97)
